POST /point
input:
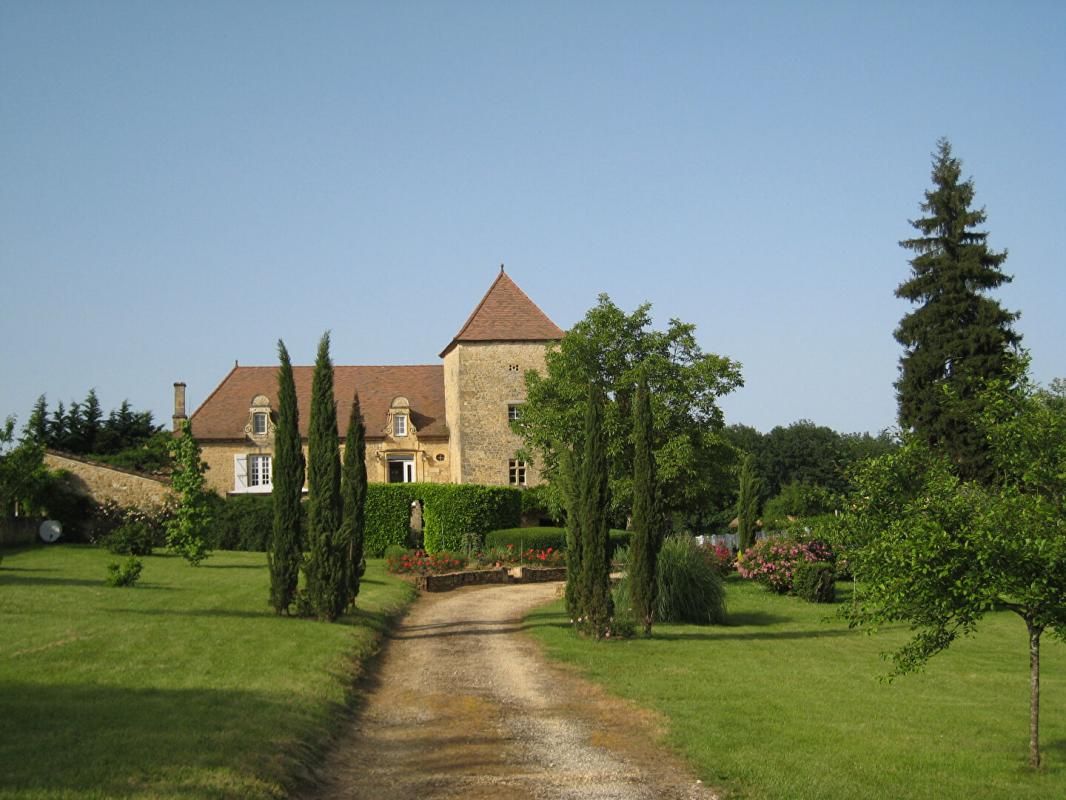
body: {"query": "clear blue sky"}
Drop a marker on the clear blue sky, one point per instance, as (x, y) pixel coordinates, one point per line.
(181, 184)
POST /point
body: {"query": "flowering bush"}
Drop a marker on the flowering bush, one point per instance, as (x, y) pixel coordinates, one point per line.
(418, 562)
(718, 557)
(773, 561)
(510, 557)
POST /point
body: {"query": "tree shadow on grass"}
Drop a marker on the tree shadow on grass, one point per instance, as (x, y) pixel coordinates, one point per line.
(196, 612)
(746, 618)
(79, 740)
(207, 565)
(722, 633)
(18, 580)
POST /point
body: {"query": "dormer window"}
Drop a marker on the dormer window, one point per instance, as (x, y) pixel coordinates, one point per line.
(259, 423)
(259, 427)
(399, 425)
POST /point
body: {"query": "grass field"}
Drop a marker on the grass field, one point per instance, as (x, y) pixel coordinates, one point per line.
(785, 703)
(185, 686)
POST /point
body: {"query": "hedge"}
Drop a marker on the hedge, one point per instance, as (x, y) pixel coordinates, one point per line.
(814, 581)
(543, 538)
(457, 516)
(450, 514)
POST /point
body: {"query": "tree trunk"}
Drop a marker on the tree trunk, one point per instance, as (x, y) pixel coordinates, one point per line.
(1034, 693)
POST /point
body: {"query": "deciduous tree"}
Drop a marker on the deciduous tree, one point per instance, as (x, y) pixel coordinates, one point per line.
(187, 529)
(939, 552)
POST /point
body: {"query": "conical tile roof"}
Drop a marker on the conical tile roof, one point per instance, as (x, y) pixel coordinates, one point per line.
(506, 314)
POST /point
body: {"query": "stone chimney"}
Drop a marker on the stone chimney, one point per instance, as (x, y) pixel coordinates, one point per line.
(179, 406)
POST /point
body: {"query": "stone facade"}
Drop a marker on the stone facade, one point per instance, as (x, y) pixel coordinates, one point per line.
(103, 483)
(447, 423)
(482, 382)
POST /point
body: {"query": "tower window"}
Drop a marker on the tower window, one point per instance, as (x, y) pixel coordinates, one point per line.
(516, 472)
(514, 412)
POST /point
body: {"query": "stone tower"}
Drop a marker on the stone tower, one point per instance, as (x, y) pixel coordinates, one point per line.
(484, 384)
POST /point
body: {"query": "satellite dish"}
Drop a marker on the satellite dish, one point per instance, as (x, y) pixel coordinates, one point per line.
(50, 530)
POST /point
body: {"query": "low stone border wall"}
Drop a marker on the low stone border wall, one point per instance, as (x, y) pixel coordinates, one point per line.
(19, 530)
(480, 577)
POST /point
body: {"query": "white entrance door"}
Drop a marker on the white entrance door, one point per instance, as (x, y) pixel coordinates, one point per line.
(401, 469)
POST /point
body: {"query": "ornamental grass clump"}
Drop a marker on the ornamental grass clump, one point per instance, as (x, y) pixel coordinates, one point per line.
(688, 588)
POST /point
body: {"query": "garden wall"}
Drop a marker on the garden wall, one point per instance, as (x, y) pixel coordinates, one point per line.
(18, 530)
(482, 577)
(101, 483)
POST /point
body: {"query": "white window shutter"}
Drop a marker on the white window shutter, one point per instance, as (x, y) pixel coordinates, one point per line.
(240, 473)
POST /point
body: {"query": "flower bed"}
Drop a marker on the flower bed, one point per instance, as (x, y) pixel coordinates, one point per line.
(418, 562)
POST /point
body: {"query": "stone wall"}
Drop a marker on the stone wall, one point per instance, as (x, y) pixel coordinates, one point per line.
(101, 483)
(481, 577)
(481, 379)
(19, 530)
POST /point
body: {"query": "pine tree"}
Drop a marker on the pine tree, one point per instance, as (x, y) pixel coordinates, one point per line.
(36, 430)
(957, 337)
(187, 530)
(325, 565)
(57, 427)
(285, 554)
(747, 504)
(91, 417)
(353, 495)
(593, 504)
(647, 534)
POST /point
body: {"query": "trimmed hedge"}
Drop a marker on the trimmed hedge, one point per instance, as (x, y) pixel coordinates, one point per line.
(243, 522)
(457, 516)
(543, 538)
(388, 516)
(814, 581)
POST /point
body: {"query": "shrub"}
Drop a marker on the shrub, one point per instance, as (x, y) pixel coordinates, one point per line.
(453, 511)
(543, 538)
(689, 588)
(388, 516)
(772, 561)
(719, 557)
(244, 522)
(126, 574)
(107, 517)
(130, 539)
(814, 581)
(620, 558)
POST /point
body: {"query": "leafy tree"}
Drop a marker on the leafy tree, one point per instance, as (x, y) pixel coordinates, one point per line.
(932, 549)
(610, 348)
(647, 531)
(187, 529)
(799, 499)
(285, 553)
(325, 566)
(957, 337)
(353, 496)
(747, 504)
(593, 499)
(22, 469)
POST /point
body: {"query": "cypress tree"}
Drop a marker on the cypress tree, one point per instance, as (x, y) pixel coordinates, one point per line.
(747, 504)
(595, 565)
(36, 430)
(285, 552)
(569, 474)
(325, 566)
(957, 337)
(647, 534)
(353, 496)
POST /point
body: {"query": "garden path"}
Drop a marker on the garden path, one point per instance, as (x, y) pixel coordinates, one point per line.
(463, 705)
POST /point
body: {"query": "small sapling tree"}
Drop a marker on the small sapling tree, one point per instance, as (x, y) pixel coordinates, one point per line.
(187, 529)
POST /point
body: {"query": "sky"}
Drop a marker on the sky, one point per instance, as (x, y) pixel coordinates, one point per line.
(182, 184)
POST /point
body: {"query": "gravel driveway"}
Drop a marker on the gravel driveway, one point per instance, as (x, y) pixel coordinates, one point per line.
(463, 705)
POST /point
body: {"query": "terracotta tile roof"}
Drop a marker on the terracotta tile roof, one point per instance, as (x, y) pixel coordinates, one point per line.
(506, 314)
(224, 413)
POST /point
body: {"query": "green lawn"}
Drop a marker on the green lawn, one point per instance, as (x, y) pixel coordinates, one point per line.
(785, 703)
(185, 686)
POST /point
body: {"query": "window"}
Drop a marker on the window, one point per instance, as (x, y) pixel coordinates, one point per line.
(259, 423)
(516, 472)
(514, 412)
(259, 472)
(399, 425)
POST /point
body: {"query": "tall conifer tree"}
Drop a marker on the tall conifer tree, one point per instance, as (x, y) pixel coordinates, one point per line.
(957, 337)
(569, 473)
(594, 500)
(353, 497)
(325, 566)
(647, 533)
(285, 553)
(747, 503)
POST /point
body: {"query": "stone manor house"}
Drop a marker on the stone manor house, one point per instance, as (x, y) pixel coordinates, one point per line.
(440, 423)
